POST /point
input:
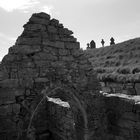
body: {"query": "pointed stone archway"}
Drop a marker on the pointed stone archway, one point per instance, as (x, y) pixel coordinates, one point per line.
(66, 123)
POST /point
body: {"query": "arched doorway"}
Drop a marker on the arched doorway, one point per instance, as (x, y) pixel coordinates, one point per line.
(55, 121)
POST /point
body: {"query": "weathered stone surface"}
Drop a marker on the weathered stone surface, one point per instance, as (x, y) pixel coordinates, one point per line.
(6, 96)
(72, 45)
(41, 80)
(52, 29)
(3, 75)
(42, 15)
(59, 44)
(26, 49)
(54, 22)
(11, 83)
(137, 87)
(38, 20)
(34, 27)
(42, 63)
(29, 41)
(47, 62)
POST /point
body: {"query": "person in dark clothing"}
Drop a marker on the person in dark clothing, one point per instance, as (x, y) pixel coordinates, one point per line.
(92, 44)
(112, 41)
(102, 42)
(88, 47)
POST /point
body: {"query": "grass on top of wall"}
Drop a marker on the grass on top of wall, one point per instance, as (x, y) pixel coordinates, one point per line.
(120, 62)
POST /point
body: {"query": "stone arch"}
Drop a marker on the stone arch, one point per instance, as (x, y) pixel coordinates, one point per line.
(76, 115)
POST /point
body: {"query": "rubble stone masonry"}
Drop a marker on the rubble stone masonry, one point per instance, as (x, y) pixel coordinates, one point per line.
(46, 61)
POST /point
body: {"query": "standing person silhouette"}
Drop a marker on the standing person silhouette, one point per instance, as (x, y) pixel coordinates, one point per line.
(92, 44)
(88, 47)
(102, 42)
(112, 41)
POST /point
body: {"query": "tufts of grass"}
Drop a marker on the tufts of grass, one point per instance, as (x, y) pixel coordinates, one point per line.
(118, 61)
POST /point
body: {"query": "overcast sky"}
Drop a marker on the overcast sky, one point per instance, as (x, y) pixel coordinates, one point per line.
(88, 19)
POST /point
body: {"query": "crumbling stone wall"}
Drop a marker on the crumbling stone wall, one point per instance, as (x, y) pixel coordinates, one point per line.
(122, 118)
(131, 88)
(46, 60)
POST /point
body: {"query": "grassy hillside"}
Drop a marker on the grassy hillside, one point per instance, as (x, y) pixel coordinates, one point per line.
(120, 62)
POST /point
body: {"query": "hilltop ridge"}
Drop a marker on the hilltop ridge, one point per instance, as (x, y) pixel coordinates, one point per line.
(119, 62)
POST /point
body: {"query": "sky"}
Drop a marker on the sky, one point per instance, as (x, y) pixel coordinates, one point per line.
(88, 19)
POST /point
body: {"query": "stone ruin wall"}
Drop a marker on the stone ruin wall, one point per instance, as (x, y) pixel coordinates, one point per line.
(46, 60)
(121, 103)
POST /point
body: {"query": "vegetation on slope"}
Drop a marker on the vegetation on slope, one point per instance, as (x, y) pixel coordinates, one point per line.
(120, 62)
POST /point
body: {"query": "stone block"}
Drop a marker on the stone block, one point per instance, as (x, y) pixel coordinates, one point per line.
(28, 49)
(119, 138)
(137, 88)
(19, 91)
(60, 25)
(8, 58)
(67, 58)
(64, 52)
(26, 73)
(52, 29)
(3, 75)
(106, 89)
(64, 31)
(44, 35)
(131, 91)
(7, 125)
(59, 44)
(67, 31)
(10, 83)
(42, 63)
(48, 42)
(126, 123)
(78, 53)
(67, 39)
(70, 45)
(54, 22)
(41, 80)
(44, 56)
(34, 27)
(54, 37)
(28, 41)
(26, 83)
(5, 110)
(6, 96)
(28, 63)
(38, 20)
(41, 15)
(130, 116)
(16, 108)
